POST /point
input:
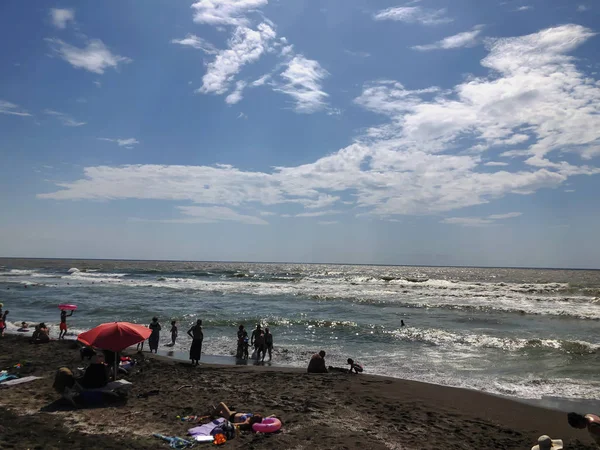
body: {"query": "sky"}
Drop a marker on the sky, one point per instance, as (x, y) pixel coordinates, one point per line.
(423, 132)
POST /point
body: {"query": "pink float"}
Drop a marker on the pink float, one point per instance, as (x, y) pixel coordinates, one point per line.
(65, 307)
(268, 425)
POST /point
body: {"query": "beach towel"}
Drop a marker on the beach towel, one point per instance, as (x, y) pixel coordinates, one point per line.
(206, 429)
(20, 381)
(4, 376)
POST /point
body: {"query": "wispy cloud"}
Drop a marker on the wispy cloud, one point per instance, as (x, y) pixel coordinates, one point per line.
(318, 213)
(60, 17)
(127, 143)
(524, 8)
(261, 81)
(464, 39)
(414, 14)
(245, 46)
(212, 214)
(582, 8)
(495, 164)
(191, 40)
(236, 95)
(11, 109)
(66, 120)
(358, 54)
(242, 116)
(225, 12)
(479, 221)
(94, 57)
(303, 79)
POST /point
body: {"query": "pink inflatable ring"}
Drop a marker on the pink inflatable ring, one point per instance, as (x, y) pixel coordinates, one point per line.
(66, 307)
(268, 425)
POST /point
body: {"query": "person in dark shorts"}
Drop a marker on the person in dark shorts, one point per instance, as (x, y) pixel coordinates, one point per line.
(197, 336)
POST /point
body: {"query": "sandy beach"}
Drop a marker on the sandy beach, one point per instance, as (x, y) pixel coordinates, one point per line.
(333, 411)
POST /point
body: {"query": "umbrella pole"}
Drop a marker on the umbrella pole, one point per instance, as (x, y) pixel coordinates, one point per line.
(116, 366)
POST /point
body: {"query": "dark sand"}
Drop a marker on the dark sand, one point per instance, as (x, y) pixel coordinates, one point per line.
(334, 411)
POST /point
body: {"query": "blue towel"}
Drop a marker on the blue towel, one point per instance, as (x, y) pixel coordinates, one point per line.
(7, 377)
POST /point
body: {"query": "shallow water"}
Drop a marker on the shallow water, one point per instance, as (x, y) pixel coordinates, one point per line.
(526, 333)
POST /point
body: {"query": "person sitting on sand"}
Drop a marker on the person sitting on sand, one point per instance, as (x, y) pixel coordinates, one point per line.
(589, 421)
(197, 336)
(155, 336)
(354, 366)
(40, 335)
(243, 420)
(96, 374)
(63, 323)
(317, 363)
(173, 332)
(546, 443)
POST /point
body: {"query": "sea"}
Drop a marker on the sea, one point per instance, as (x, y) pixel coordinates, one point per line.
(530, 334)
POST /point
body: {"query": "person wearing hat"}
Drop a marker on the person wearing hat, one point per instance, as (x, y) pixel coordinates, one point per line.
(545, 443)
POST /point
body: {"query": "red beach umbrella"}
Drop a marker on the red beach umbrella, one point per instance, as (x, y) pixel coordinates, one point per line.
(115, 336)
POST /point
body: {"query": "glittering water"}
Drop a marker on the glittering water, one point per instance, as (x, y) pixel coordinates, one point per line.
(528, 333)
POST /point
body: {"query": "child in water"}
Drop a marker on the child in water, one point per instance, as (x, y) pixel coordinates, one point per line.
(173, 332)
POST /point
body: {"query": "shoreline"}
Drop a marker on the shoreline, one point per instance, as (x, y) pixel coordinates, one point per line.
(318, 410)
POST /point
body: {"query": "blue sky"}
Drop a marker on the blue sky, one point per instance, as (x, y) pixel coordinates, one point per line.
(416, 132)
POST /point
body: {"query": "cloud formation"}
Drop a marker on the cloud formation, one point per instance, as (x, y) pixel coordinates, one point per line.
(236, 95)
(11, 109)
(191, 40)
(414, 14)
(245, 46)
(127, 143)
(480, 221)
(94, 57)
(464, 39)
(428, 155)
(60, 17)
(65, 119)
(225, 12)
(302, 81)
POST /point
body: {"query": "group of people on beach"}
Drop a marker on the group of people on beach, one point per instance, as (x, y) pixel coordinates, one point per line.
(262, 341)
(317, 365)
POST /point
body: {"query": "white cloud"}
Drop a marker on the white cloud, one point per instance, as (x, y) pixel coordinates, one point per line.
(11, 109)
(303, 79)
(242, 116)
(524, 8)
(245, 46)
(420, 160)
(262, 80)
(318, 213)
(480, 221)
(95, 57)
(60, 17)
(464, 39)
(97, 83)
(191, 40)
(236, 95)
(414, 14)
(127, 143)
(495, 164)
(358, 54)
(66, 120)
(267, 213)
(211, 214)
(582, 8)
(225, 12)
(569, 190)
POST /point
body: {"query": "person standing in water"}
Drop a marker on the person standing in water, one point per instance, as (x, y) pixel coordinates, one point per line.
(240, 342)
(259, 342)
(173, 332)
(63, 323)
(197, 336)
(255, 334)
(269, 342)
(155, 336)
(402, 324)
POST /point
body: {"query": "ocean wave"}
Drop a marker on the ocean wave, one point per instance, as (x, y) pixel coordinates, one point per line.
(18, 272)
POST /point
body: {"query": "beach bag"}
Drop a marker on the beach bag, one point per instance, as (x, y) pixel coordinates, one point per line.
(225, 428)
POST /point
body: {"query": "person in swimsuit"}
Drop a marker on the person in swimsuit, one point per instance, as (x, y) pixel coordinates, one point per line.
(63, 323)
(243, 420)
(173, 332)
(354, 366)
(3, 322)
(589, 421)
(259, 343)
(197, 336)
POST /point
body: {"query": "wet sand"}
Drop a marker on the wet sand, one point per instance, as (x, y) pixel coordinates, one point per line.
(330, 411)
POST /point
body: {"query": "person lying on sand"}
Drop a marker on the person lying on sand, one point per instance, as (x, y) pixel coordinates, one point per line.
(243, 420)
(589, 421)
(317, 363)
